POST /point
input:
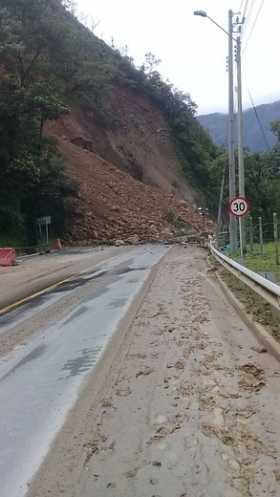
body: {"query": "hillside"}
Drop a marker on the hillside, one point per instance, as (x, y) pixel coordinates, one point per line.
(130, 180)
(112, 205)
(107, 149)
(139, 141)
(216, 124)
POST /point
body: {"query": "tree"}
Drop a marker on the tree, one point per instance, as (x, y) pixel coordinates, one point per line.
(26, 102)
(50, 62)
(150, 63)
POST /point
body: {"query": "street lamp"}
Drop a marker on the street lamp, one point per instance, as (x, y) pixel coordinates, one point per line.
(202, 13)
(232, 180)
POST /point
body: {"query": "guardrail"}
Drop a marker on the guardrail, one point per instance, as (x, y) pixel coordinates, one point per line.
(263, 287)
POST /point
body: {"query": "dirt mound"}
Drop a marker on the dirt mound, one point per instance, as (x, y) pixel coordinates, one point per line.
(113, 205)
(131, 182)
(136, 139)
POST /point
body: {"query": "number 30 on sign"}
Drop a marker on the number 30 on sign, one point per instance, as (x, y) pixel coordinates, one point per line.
(239, 206)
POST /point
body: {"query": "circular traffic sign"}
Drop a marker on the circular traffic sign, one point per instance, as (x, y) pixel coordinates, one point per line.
(239, 206)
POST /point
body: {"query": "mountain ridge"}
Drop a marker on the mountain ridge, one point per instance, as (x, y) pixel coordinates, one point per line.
(216, 124)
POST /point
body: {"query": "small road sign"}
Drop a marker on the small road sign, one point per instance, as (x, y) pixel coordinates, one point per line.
(44, 220)
(239, 206)
(43, 224)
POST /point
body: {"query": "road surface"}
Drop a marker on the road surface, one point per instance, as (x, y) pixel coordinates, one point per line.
(33, 273)
(40, 380)
(181, 402)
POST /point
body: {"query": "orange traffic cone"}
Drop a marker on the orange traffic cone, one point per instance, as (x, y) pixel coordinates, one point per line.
(57, 244)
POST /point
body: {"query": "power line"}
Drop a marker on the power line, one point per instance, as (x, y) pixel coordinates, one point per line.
(250, 10)
(245, 9)
(241, 5)
(246, 16)
(252, 4)
(259, 121)
(254, 24)
(243, 15)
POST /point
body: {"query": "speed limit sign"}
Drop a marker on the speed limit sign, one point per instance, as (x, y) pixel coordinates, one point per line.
(239, 206)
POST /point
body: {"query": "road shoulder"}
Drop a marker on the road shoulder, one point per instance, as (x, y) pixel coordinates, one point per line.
(35, 274)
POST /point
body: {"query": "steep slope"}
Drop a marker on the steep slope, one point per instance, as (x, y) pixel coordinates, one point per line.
(139, 140)
(113, 205)
(112, 123)
(130, 179)
(216, 124)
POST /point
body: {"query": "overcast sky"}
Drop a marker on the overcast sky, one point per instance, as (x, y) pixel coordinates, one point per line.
(193, 51)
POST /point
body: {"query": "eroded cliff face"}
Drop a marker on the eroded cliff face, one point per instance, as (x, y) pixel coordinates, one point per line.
(130, 180)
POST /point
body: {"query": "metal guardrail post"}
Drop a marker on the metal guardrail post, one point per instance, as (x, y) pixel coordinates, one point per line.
(251, 234)
(266, 289)
(275, 232)
(261, 235)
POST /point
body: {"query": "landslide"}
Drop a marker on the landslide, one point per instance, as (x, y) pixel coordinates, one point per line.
(113, 167)
(138, 141)
(113, 205)
(129, 140)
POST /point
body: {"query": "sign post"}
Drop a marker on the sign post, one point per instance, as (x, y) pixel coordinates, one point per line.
(251, 234)
(44, 221)
(261, 235)
(275, 231)
(239, 207)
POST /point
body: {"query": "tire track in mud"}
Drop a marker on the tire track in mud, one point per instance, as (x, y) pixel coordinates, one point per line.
(208, 399)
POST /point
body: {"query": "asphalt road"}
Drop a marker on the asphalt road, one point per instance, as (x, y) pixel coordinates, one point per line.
(186, 406)
(66, 331)
(34, 273)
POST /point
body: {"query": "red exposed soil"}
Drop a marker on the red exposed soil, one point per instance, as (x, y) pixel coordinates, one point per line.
(130, 180)
(113, 205)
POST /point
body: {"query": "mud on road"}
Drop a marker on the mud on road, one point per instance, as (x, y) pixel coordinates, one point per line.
(189, 407)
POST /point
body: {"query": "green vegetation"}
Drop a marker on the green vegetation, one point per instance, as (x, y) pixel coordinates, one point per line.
(265, 263)
(49, 63)
(255, 306)
(12, 240)
(262, 178)
(194, 146)
(31, 176)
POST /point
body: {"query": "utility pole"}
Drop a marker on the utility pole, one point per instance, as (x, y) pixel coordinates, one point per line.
(232, 183)
(231, 159)
(219, 222)
(241, 176)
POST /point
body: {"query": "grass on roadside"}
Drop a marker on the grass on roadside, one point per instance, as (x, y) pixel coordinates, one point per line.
(18, 242)
(261, 311)
(265, 263)
(11, 240)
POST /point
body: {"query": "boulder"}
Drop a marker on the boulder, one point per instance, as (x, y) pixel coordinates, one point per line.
(133, 239)
(82, 142)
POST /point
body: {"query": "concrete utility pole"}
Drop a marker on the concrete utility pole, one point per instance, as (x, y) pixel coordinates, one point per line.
(232, 176)
(241, 176)
(219, 222)
(232, 182)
